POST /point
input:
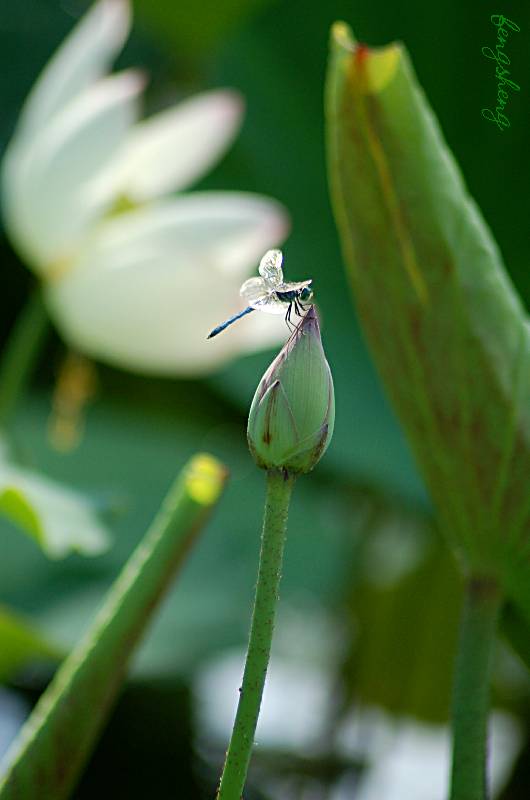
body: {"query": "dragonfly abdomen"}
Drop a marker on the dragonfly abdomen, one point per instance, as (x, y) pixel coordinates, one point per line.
(220, 328)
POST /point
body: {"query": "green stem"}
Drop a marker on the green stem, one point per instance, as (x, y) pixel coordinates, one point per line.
(20, 354)
(471, 689)
(279, 488)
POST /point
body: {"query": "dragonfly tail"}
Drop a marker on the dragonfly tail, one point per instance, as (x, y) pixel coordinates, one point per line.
(220, 328)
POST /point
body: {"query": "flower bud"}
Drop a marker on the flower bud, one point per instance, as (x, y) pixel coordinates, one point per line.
(293, 411)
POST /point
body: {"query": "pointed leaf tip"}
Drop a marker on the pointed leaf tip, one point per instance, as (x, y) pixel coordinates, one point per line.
(342, 35)
(371, 69)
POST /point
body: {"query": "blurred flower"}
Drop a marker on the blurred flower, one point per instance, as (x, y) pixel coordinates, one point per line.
(132, 276)
(293, 411)
(410, 760)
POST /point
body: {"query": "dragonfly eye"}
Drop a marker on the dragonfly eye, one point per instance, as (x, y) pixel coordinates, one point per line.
(306, 294)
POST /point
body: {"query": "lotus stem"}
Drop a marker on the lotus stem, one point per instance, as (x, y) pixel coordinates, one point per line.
(279, 488)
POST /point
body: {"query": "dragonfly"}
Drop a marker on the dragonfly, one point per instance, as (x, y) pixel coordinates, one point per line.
(270, 293)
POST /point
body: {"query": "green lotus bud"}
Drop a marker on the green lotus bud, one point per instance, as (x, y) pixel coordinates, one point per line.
(293, 411)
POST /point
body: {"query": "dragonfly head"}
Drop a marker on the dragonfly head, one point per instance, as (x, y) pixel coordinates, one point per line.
(306, 294)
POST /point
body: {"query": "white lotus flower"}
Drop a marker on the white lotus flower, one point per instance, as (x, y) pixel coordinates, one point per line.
(141, 287)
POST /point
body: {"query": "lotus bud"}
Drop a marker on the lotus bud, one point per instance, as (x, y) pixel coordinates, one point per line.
(293, 411)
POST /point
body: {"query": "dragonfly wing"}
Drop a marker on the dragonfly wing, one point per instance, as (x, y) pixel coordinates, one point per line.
(293, 287)
(257, 295)
(270, 304)
(253, 289)
(270, 268)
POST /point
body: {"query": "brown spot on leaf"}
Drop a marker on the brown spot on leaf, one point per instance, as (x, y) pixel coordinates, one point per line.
(271, 406)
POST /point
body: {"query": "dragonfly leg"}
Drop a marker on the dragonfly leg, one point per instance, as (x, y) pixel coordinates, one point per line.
(288, 317)
(305, 308)
(300, 308)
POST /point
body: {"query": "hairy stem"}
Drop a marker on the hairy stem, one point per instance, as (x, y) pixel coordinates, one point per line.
(20, 353)
(279, 488)
(471, 689)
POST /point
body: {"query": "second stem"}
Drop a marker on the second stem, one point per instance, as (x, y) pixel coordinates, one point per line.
(20, 353)
(279, 488)
(472, 688)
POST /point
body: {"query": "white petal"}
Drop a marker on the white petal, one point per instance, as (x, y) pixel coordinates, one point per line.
(83, 57)
(154, 283)
(170, 150)
(226, 231)
(47, 183)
